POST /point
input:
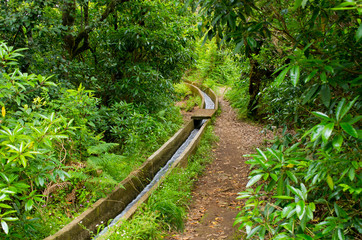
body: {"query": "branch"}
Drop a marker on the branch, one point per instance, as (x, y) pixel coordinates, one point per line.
(352, 71)
(83, 35)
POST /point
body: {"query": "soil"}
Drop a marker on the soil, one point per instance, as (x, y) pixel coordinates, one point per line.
(214, 205)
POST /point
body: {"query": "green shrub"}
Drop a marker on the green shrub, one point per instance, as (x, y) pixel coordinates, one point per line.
(308, 187)
(134, 126)
(29, 143)
(214, 66)
(182, 91)
(238, 96)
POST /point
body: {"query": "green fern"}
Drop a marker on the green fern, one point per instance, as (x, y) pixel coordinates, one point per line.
(82, 176)
(114, 165)
(102, 148)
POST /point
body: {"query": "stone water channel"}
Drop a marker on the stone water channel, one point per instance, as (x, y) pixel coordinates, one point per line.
(135, 189)
(209, 104)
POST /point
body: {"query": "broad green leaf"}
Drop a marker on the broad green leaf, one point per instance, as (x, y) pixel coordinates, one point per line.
(304, 236)
(300, 208)
(288, 209)
(303, 222)
(345, 109)
(327, 131)
(4, 197)
(274, 153)
(262, 153)
(238, 47)
(304, 2)
(351, 173)
(337, 142)
(279, 69)
(329, 68)
(216, 19)
(297, 4)
(284, 197)
(310, 76)
(345, 4)
(332, 226)
(325, 94)
(296, 191)
(349, 129)
(359, 33)
(4, 177)
(323, 77)
(330, 182)
(292, 176)
(280, 186)
(322, 116)
(312, 206)
(317, 132)
(253, 231)
(339, 108)
(309, 212)
(311, 92)
(340, 234)
(11, 219)
(274, 176)
(5, 227)
(2, 205)
(304, 191)
(251, 42)
(254, 180)
(355, 120)
(29, 205)
(281, 76)
(294, 75)
(231, 21)
(340, 211)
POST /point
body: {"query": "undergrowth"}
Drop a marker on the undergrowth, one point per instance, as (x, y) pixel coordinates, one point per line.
(188, 100)
(215, 67)
(60, 154)
(166, 208)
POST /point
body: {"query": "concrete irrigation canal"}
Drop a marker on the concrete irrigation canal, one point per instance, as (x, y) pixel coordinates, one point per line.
(137, 187)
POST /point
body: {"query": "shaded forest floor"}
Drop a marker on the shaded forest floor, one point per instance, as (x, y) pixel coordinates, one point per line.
(214, 205)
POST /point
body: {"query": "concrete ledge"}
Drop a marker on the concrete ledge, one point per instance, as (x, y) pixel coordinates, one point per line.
(109, 207)
(196, 91)
(208, 91)
(203, 114)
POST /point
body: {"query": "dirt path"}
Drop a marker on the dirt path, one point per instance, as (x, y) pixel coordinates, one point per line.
(214, 205)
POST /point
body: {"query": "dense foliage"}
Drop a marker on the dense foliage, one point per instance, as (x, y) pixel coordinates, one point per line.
(112, 65)
(304, 73)
(106, 104)
(123, 50)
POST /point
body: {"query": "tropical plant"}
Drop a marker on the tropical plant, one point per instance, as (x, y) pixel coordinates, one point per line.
(28, 139)
(309, 190)
(307, 186)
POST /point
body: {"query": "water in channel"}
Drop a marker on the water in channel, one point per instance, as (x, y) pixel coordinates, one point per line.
(209, 104)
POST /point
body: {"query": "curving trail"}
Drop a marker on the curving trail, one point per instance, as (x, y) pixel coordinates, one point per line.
(214, 205)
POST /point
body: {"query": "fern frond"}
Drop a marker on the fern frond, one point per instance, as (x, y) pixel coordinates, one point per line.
(101, 148)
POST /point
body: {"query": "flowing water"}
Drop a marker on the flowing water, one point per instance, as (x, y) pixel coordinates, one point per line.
(209, 104)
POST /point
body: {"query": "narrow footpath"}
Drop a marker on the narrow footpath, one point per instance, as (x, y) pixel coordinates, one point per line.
(214, 205)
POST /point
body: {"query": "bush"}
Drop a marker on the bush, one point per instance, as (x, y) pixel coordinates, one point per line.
(29, 142)
(309, 186)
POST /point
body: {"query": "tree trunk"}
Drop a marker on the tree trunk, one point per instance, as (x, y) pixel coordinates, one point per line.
(255, 77)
